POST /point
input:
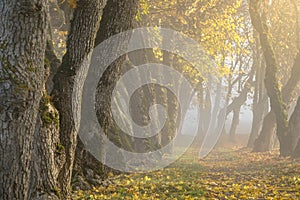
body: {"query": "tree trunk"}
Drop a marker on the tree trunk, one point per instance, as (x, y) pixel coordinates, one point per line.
(260, 99)
(48, 153)
(234, 123)
(69, 78)
(205, 107)
(22, 50)
(259, 111)
(171, 104)
(294, 130)
(149, 91)
(264, 141)
(271, 81)
(118, 16)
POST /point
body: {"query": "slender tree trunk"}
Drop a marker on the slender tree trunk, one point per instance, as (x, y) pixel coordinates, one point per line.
(260, 99)
(22, 51)
(69, 78)
(205, 108)
(234, 123)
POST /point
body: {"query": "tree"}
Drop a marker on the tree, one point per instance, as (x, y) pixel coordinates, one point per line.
(21, 84)
(279, 18)
(271, 81)
(260, 98)
(119, 17)
(80, 44)
(28, 117)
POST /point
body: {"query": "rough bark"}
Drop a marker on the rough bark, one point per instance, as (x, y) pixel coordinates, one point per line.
(22, 50)
(70, 77)
(48, 154)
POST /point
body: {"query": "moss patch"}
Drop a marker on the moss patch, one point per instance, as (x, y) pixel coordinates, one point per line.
(56, 191)
(60, 148)
(49, 116)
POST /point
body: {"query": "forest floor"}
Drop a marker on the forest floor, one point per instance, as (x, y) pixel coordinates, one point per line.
(227, 173)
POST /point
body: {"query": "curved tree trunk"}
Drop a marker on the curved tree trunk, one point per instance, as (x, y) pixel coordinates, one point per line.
(118, 16)
(287, 90)
(69, 77)
(271, 81)
(22, 51)
(264, 140)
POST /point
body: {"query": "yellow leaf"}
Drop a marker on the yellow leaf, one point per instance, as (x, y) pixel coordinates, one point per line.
(72, 3)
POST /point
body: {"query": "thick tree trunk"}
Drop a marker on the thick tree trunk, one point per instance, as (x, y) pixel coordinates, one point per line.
(277, 102)
(69, 78)
(271, 81)
(118, 16)
(22, 50)
(48, 154)
(264, 140)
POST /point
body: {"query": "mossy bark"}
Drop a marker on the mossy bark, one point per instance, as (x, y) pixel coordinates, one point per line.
(271, 81)
(80, 44)
(23, 41)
